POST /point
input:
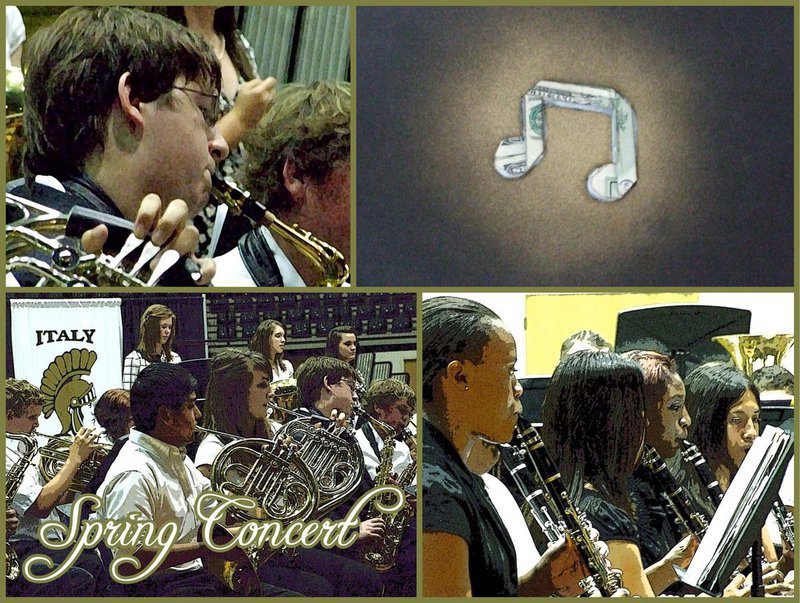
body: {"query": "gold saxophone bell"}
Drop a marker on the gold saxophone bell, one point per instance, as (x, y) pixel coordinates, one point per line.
(13, 482)
(54, 454)
(284, 396)
(326, 260)
(744, 349)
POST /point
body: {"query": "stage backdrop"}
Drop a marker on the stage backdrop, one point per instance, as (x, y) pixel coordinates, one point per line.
(72, 349)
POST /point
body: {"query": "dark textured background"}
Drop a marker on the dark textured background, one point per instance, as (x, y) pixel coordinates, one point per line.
(438, 88)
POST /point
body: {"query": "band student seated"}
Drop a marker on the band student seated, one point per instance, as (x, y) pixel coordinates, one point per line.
(325, 390)
(392, 402)
(157, 329)
(120, 113)
(298, 159)
(270, 340)
(152, 477)
(470, 392)
(36, 501)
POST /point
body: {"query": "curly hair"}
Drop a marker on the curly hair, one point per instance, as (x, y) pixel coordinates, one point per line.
(159, 384)
(307, 124)
(20, 394)
(72, 69)
(385, 392)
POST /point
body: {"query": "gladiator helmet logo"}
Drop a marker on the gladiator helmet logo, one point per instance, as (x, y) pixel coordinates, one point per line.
(64, 389)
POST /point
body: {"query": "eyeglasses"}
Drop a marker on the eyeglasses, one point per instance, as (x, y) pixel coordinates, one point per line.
(350, 383)
(209, 109)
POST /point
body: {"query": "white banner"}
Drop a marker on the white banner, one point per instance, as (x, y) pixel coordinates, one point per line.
(72, 350)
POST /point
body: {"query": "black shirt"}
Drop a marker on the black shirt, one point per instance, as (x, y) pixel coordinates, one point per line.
(612, 522)
(658, 530)
(455, 502)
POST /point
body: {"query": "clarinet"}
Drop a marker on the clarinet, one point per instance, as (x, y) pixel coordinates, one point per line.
(534, 496)
(572, 522)
(785, 522)
(691, 454)
(688, 515)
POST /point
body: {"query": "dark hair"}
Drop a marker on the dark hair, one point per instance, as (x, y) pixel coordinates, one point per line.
(453, 328)
(659, 372)
(774, 377)
(590, 337)
(261, 341)
(159, 384)
(308, 124)
(113, 412)
(593, 422)
(72, 70)
(229, 380)
(311, 375)
(711, 390)
(385, 392)
(20, 394)
(224, 23)
(335, 335)
(150, 333)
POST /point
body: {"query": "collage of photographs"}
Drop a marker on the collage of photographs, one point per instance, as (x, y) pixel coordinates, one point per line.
(546, 351)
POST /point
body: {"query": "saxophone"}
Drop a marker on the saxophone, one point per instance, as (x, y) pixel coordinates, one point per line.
(327, 260)
(572, 522)
(13, 482)
(382, 555)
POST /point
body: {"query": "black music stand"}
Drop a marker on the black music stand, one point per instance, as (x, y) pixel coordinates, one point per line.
(681, 331)
(200, 369)
(533, 391)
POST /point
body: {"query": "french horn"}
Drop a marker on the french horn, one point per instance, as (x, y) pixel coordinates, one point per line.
(276, 477)
(745, 349)
(54, 454)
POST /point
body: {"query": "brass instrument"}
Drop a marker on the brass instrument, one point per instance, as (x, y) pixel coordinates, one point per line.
(572, 521)
(745, 348)
(336, 462)
(54, 454)
(37, 244)
(691, 518)
(285, 396)
(13, 482)
(272, 474)
(326, 260)
(383, 554)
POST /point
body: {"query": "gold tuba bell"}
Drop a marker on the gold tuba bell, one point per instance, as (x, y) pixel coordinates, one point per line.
(744, 349)
(326, 260)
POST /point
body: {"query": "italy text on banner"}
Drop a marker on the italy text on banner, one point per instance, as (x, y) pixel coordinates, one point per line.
(73, 356)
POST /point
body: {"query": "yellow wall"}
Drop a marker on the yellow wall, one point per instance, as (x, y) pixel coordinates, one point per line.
(551, 318)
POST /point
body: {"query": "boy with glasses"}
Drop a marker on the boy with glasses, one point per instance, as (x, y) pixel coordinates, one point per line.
(120, 107)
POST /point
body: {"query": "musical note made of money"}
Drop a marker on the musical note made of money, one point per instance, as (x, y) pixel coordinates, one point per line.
(515, 156)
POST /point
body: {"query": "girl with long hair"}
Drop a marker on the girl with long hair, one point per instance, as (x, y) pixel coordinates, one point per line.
(157, 329)
(270, 341)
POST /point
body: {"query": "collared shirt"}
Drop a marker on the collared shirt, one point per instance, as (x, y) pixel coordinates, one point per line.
(29, 490)
(372, 446)
(156, 480)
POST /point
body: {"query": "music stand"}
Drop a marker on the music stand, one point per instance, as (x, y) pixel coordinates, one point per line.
(681, 331)
(533, 391)
(200, 369)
